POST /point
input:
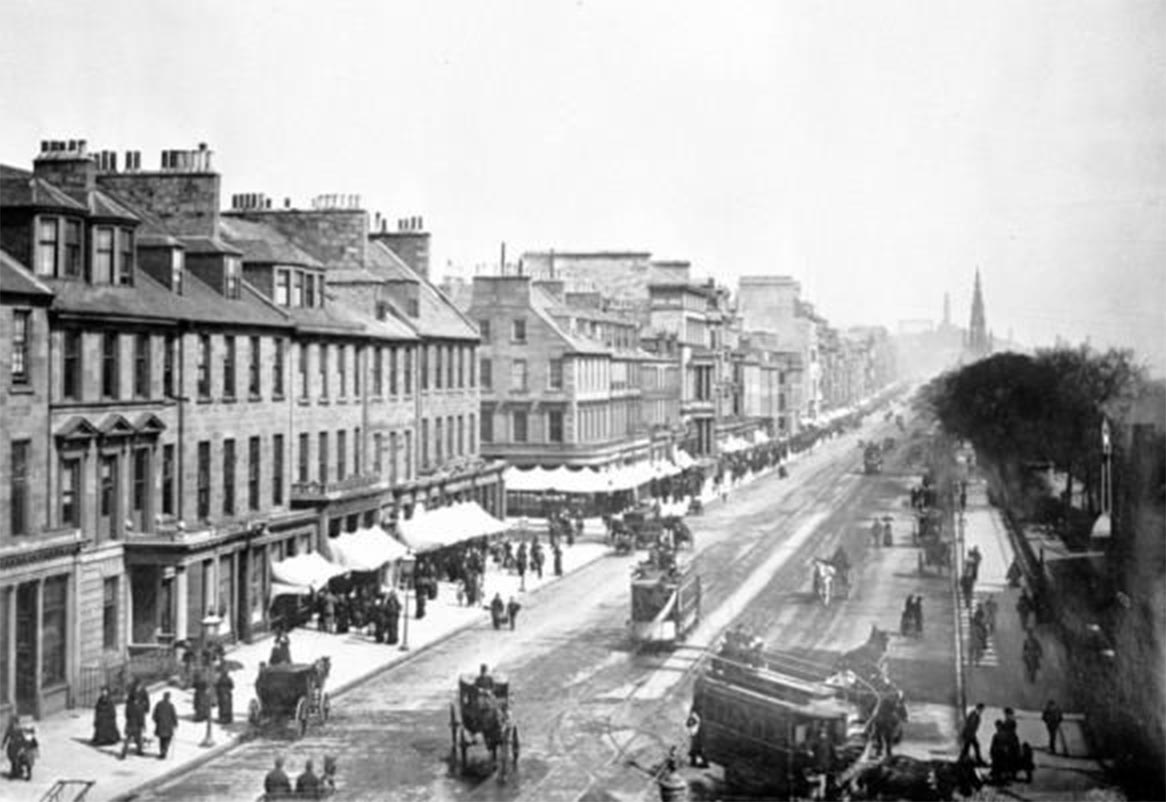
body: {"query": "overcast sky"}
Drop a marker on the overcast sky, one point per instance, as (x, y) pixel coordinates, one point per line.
(878, 151)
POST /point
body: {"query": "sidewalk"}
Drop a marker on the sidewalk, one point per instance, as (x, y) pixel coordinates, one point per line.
(64, 738)
(999, 679)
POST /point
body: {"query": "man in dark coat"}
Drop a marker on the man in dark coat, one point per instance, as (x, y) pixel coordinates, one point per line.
(165, 723)
(224, 690)
(105, 720)
(392, 617)
(421, 598)
(277, 781)
(497, 610)
(379, 618)
(308, 783)
(558, 556)
(969, 739)
(512, 608)
(1052, 718)
(137, 706)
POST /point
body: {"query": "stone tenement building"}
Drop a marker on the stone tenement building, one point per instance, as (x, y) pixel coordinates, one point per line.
(188, 400)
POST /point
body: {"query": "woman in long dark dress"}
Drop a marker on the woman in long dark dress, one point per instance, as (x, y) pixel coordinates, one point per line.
(105, 732)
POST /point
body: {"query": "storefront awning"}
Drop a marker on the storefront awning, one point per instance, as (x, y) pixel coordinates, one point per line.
(588, 480)
(446, 526)
(683, 459)
(305, 572)
(365, 549)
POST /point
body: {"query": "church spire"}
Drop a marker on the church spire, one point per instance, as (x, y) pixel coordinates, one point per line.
(978, 330)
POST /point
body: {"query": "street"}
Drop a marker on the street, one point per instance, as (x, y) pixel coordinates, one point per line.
(595, 717)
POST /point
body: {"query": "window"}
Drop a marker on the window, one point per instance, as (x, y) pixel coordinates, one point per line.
(278, 368)
(487, 372)
(484, 330)
(229, 367)
(73, 263)
(341, 455)
(461, 367)
(438, 351)
(322, 459)
(518, 330)
(304, 373)
(141, 486)
(142, 366)
(125, 260)
(204, 366)
(393, 457)
(71, 375)
(231, 276)
(471, 432)
(342, 369)
(229, 476)
(277, 469)
(109, 613)
(377, 464)
(298, 294)
(461, 435)
(303, 459)
(378, 372)
(408, 371)
(555, 374)
(449, 367)
(449, 435)
(70, 492)
(357, 359)
(392, 371)
(168, 480)
(21, 328)
(408, 454)
(310, 290)
(423, 368)
(54, 630)
(518, 376)
(437, 450)
(323, 352)
(282, 287)
(254, 370)
(470, 359)
(424, 443)
(107, 481)
(555, 426)
(103, 255)
(253, 458)
(413, 307)
(204, 480)
(109, 377)
(177, 270)
(519, 426)
(47, 245)
(168, 360)
(18, 487)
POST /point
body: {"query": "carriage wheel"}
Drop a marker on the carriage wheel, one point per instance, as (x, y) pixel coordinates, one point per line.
(463, 747)
(325, 708)
(253, 713)
(302, 716)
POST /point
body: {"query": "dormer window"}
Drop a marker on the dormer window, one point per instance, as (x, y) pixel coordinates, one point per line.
(125, 262)
(73, 262)
(103, 255)
(48, 233)
(414, 308)
(298, 296)
(231, 276)
(282, 287)
(310, 290)
(177, 270)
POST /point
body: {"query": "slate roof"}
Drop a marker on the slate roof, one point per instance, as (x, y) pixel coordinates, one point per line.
(17, 280)
(21, 188)
(104, 205)
(263, 244)
(437, 315)
(542, 302)
(380, 260)
(214, 244)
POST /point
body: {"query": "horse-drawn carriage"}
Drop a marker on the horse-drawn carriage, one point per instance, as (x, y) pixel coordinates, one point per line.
(291, 691)
(831, 578)
(482, 707)
(934, 550)
(872, 458)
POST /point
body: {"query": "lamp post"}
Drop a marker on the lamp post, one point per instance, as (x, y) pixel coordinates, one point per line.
(406, 579)
(210, 631)
(1103, 526)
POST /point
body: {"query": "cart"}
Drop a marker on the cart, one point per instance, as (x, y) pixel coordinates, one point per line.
(291, 692)
(482, 707)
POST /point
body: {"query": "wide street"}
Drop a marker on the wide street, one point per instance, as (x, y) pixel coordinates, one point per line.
(595, 716)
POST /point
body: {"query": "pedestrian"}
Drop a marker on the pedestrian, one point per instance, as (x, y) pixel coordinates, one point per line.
(695, 740)
(392, 612)
(558, 557)
(497, 610)
(420, 597)
(1052, 718)
(136, 707)
(307, 784)
(1024, 608)
(105, 730)
(876, 531)
(969, 735)
(825, 757)
(967, 585)
(512, 608)
(1032, 652)
(906, 622)
(918, 616)
(990, 609)
(202, 697)
(165, 723)
(224, 691)
(277, 782)
(1004, 760)
(973, 562)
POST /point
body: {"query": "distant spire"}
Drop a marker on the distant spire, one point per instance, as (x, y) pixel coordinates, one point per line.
(978, 330)
(947, 310)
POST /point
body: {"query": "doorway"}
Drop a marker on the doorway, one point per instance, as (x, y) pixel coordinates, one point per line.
(27, 616)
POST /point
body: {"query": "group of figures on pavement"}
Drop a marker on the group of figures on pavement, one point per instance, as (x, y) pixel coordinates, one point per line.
(1010, 757)
(911, 620)
(278, 784)
(137, 709)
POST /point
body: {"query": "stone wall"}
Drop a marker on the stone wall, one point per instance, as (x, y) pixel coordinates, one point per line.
(186, 203)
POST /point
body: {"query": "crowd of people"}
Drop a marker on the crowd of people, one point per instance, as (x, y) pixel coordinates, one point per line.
(137, 709)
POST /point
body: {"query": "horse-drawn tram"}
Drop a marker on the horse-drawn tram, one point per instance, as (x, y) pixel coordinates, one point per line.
(665, 599)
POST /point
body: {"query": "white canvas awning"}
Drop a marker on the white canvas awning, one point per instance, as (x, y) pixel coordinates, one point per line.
(683, 459)
(365, 549)
(305, 572)
(446, 526)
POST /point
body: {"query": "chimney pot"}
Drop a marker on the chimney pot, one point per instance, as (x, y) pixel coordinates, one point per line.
(202, 146)
(384, 226)
(44, 146)
(267, 203)
(81, 143)
(287, 203)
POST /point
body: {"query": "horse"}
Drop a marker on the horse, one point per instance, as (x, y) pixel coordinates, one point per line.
(500, 736)
(823, 576)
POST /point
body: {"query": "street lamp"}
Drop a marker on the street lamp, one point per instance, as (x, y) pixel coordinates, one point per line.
(1103, 526)
(210, 631)
(406, 579)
